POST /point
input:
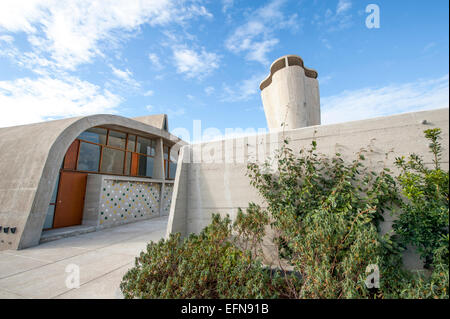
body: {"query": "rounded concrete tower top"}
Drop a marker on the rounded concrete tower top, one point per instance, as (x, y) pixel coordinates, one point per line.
(290, 94)
(282, 62)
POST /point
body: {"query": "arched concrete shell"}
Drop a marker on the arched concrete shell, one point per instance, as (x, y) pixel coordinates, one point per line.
(30, 159)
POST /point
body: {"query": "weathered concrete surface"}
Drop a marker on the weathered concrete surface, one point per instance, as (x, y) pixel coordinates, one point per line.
(158, 120)
(103, 257)
(290, 95)
(29, 165)
(212, 181)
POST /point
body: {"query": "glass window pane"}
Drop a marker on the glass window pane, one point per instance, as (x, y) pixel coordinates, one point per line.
(166, 170)
(128, 164)
(172, 170)
(145, 146)
(89, 157)
(95, 134)
(145, 166)
(112, 161)
(166, 152)
(48, 223)
(131, 142)
(117, 139)
(55, 191)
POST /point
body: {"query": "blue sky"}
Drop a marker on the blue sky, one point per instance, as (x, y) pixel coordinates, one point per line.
(204, 59)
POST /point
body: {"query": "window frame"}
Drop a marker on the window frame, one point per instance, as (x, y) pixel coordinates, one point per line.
(124, 150)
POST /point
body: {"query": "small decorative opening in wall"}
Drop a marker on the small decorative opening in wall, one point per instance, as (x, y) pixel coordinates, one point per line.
(13, 230)
(6, 230)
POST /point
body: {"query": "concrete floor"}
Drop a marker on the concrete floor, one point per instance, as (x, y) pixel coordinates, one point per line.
(103, 258)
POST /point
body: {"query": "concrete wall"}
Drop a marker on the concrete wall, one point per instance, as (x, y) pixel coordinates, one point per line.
(30, 158)
(211, 181)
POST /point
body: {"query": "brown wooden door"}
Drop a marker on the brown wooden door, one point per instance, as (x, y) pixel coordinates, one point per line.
(70, 200)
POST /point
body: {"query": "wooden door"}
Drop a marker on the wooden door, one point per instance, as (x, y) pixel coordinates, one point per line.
(70, 200)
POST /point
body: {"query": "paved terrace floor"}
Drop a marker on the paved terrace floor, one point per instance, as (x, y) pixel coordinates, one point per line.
(103, 257)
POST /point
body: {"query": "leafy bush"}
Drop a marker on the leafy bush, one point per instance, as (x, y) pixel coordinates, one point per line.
(207, 265)
(424, 221)
(324, 214)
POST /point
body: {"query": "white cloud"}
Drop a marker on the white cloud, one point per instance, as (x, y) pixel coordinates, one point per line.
(392, 99)
(123, 75)
(195, 64)
(154, 59)
(256, 37)
(227, 4)
(149, 108)
(149, 93)
(343, 6)
(124, 81)
(244, 90)
(72, 32)
(335, 21)
(34, 100)
(6, 38)
(209, 90)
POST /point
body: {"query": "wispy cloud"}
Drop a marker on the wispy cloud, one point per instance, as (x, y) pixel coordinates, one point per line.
(155, 61)
(255, 38)
(343, 6)
(382, 101)
(195, 64)
(335, 19)
(209, 90)
(243, 90)
(227, 4)
(72, 32)
(126, 76)
(34, 100)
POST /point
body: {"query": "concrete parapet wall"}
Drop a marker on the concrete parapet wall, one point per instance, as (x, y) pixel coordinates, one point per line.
(211, 176)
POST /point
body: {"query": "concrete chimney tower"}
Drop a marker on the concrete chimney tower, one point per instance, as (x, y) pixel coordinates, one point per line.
(290, 94)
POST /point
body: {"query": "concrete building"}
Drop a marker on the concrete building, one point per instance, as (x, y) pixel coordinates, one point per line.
(82, 174)
(211, 177)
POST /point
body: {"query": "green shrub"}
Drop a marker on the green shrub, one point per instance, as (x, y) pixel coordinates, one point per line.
(207, 265)
(424, 221)
(325, 215)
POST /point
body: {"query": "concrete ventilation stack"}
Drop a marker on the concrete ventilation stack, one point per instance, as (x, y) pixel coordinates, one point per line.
(290, 94)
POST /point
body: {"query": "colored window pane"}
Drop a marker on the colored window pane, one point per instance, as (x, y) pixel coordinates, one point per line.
(145, 146)
(172, 170)
(95, 135)
(145, 166)
(131, 142)
(117, 139)
(89, 157)
(128, 164)
(112, 161)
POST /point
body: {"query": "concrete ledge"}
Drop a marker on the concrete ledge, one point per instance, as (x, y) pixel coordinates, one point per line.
(55, 234)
